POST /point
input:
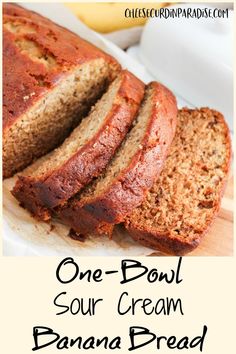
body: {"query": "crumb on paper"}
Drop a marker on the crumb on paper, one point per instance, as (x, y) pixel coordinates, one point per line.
(76, 236)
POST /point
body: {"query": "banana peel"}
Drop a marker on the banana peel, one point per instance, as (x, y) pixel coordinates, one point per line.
(110, 16)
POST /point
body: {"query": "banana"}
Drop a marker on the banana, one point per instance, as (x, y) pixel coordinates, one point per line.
(110, 16)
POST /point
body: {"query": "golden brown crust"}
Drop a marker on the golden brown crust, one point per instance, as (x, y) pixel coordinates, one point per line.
(127, 191)
(26, 80)
(48, 191)
(166, 241)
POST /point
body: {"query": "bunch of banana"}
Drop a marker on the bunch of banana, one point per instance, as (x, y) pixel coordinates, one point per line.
(110, 16)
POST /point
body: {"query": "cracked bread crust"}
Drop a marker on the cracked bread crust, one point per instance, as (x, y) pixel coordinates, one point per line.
(183, 203)
(51, 77)
(91, 213)
(41, 193)
(54, 52)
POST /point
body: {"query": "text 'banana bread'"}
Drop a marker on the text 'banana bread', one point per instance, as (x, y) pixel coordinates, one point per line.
(182, 204)
(85, 153)
(133, 170)
(51, 77)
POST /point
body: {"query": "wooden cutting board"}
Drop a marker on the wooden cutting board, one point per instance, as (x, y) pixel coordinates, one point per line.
(219, 239)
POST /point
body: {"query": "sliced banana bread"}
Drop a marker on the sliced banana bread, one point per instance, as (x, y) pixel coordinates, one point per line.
(51, 77)
(182, 204)
(133, 170)
(85, 153)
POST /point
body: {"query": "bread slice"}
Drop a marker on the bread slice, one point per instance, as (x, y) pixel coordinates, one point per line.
(51, 77)
(182, 204)
(133, 170)
(85, 153)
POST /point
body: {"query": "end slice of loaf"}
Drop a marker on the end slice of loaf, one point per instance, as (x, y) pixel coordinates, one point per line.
(133, 170)
(85, 153)
(183, 202)
(51, 77)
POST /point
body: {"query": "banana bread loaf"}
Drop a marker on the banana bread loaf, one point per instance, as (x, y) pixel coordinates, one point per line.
(51, 77)
(183, 202)
(85, 153)
(132, 171)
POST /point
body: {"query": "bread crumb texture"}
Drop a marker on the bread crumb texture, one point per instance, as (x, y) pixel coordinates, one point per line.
(85, 153)
(182, 203)
(51, 77)
(132, 171)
